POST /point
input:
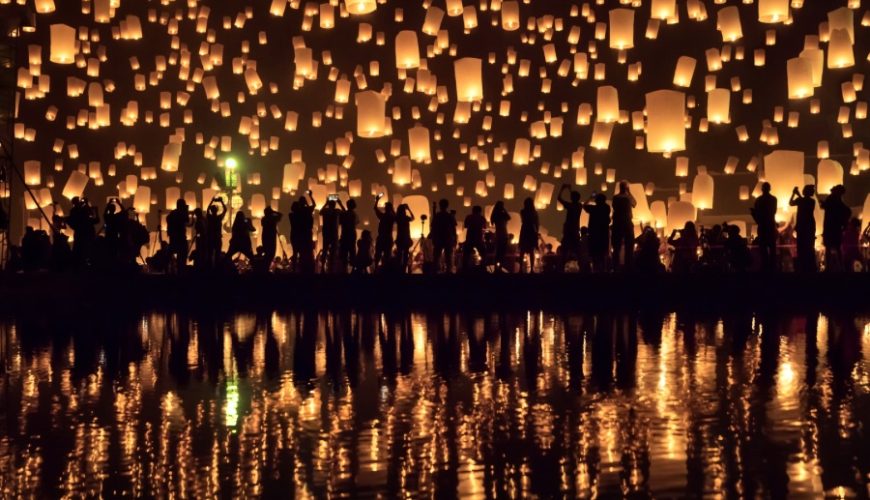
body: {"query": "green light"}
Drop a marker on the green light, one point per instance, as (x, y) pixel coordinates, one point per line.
(232, 163)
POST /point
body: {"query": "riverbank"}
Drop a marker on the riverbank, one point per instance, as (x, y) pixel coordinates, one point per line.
(46, 291)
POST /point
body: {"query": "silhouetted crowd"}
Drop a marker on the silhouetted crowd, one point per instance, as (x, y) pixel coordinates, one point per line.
(333, 243)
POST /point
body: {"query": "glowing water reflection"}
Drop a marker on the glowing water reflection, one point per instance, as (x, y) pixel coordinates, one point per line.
(311, 404)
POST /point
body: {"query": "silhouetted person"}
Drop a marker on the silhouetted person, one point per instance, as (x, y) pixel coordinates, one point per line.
(764, 213)
(736, 249)
(443, 231)
(240, 237)
(529, 234)
(214, 230)
(685, 243)
(570, 246)
(599, 229)
(475, 225)
(82, 219)
(623, 227)
(499, 219)
(363, 259)
(384, 243)
(35, 249)
(200, 239)
(177, 222)
(852, 245)
(347, 222)
(61, 254)
(269, 237)
(114, 217)
(329, 215)
(805, 227)
(404, 217)
(837, 215)
(648, 245)
(302, 233)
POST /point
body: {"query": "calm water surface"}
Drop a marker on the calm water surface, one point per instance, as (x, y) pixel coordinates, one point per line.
(519, 404)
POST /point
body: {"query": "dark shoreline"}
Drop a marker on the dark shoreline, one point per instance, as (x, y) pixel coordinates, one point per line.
(703, 292)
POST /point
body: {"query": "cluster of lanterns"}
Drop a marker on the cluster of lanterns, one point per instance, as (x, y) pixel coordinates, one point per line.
(469, 100)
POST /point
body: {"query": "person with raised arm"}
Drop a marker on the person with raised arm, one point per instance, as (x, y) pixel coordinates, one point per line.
(805, 227)
(347, 221)
(529, 234)
(570, 247)
(622, 235)
(384, 242)
(404, 242)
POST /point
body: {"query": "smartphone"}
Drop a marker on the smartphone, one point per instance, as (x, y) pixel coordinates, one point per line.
(332, 197)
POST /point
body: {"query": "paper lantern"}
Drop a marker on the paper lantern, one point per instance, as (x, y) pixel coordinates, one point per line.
(659, 213)
(684, 71)
(665, 129)
(840, 50)
(407, 50)
(830, 174)
(418, 143)
(510, 15)
(719, 106)
(171, 156)
(420, 207)
(641, 213)
(402, 171)
(601, 135)
(258, 205)
(44, 6)
(544, 195)
(728, 23)
(63, 44)
(432, 21)
(360, 7)
(469, 80)
(842, 19)
(816, 58)
(173, 194)
(522, 147)
(607, 104)
(784, 170)
(75, 185)
(32, 172)
(663, 9)
(293, 173)
(772, 11)
(142, 199)
(680, 212)
(131, 183)
(370, 114)
(702, 191)
(621, 29)
(800, 78)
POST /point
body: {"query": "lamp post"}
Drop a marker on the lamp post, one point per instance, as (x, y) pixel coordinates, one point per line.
(232, 164)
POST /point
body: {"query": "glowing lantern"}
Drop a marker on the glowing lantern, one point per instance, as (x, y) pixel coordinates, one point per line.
(370, 114)
(44, 6)
(659, 213)
(816, 58)
(32, 173)
(840, 50)
(510, 15)
(784, 170)
(719, 106)
(469, 81)
(142, 199)
(684, 71)
(621, 29)
(728, 23)
(772, 11)
(641, 213)
(663, 9)
(75, 185)
(607, 104)
(171, 156)
(842, 19)
(702, 191)
(407, 50)
(830, 174)
(402, 171)
(63, 44)
(800, 78)
(666, 115)
(680, 212)
(173, 194)
(420, 207)
(360, 7)
(418, 143)
(521, 151)
(601, 135)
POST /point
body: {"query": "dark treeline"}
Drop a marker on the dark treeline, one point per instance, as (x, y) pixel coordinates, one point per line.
(327, 238)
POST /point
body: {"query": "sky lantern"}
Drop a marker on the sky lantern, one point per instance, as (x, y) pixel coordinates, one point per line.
(719, 106)
(816, 58)
(370, 114)
(663, 9)
(171, 157)
(773, 11)
(607, 104)
(407, 50)
(418, 143)
(641, 213)
(684, 71)
(75, 185)
(468, 73)
(420, 207)
(361, 7)
(510, 15)
(402, 171)
(659, 213)
(680, 212)
(621, 29)
(173, 194)
(142, 199)
(601, 135)
(784, 170)
(840, 50)
(63, 48)
(666, 116)
(842, 18)
(702, 191)
(728, 23)
(522, 148)
(830, 174)
(32, 172)
(432, 22)
(800, 78)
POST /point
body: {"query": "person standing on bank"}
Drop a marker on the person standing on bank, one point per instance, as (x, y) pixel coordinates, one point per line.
(764, 213)
(404, 217)
(837, 215)
(570, 247)
(443, 230)
(384, 242)
(623, 227)
(177, 222)
(805, 227)
(269, 238)
(529, 234)
(499, 219)
(329, 215)
(347, 221)
(599, 230)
